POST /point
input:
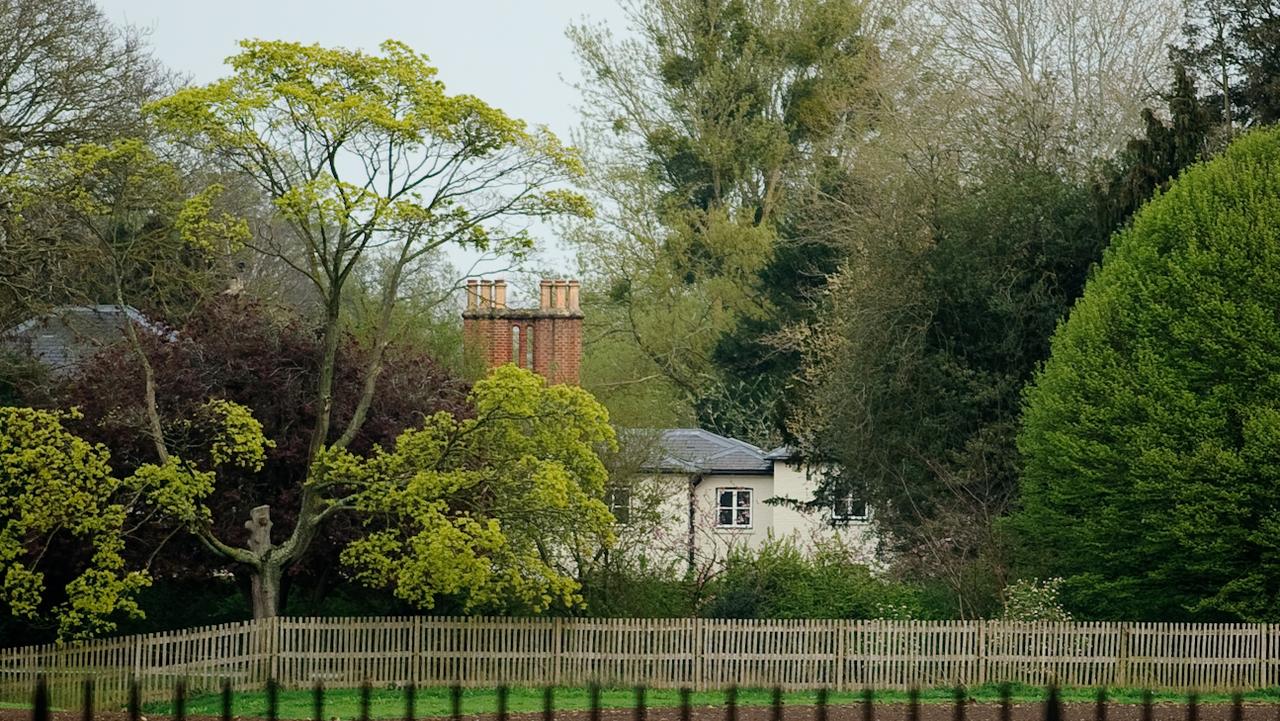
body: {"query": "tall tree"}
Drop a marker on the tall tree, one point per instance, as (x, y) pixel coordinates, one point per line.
(1060, 83)
(700, 128)
(1150, 162)
(1149, 480)
(370, 163)
(920, 360)
(1234, 45)
(264, 358)
(68, 76)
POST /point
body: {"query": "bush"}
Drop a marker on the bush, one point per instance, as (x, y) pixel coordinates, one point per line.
(1151, 438)
(1032, 600)
(780, 581)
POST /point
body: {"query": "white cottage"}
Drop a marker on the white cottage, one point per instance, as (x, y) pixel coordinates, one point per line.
(705, 494)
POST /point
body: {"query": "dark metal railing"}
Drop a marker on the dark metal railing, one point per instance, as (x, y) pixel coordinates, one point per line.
(1052, 711)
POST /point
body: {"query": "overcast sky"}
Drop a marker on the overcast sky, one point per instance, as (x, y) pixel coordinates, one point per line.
(513, 54)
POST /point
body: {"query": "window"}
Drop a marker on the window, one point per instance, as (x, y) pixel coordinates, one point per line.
(528, 347)
(515, 344)
(848, 509)
(734, 508)
(619, 502)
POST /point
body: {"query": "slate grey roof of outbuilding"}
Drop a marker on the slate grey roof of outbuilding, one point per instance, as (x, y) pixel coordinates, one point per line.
(65, 336)
(693, 450)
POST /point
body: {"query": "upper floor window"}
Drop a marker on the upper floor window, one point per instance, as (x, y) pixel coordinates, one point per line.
(733, 509)
(849, 509)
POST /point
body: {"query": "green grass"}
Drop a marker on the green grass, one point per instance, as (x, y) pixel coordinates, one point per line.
(435, 702)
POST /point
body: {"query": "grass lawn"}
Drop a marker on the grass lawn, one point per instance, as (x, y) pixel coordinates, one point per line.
(389, 703)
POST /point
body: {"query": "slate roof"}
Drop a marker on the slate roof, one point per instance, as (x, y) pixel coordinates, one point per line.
(65, 336)
(782, 453)
(693, 450)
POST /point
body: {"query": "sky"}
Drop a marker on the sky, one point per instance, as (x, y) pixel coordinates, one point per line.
(513, 54)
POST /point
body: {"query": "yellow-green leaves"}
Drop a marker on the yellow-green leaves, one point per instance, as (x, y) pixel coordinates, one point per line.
(54, 484)
(357, 148)
(240, 441)
(204, 228)
(491, 509)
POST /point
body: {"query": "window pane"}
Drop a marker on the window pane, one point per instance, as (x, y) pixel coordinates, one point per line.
(857, 508)
(726, 517)
(744, 499)
(726, 499)
(744, 518)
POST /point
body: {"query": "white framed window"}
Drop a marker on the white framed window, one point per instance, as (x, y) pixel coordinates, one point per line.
(849, 509)
(619, 501)
(733, 507)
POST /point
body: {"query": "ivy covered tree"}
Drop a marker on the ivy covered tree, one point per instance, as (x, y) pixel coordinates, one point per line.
(702, 128)
(1149, 439)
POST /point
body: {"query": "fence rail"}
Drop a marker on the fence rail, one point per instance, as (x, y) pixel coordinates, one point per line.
(658, 653)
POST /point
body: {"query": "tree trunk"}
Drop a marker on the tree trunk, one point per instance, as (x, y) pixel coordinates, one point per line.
(264, 586)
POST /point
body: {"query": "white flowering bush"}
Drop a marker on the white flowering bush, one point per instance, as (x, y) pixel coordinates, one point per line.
(1031, 599)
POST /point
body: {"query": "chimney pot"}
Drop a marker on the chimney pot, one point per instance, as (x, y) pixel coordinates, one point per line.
(573, 290)
(544, 294)
(473, 293)
(499, 294)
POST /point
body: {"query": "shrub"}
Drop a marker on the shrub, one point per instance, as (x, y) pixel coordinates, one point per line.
(1150, 440)
(780, 581)
(1032, 600)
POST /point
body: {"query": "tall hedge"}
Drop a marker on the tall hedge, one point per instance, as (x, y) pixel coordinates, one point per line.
(1151, 437)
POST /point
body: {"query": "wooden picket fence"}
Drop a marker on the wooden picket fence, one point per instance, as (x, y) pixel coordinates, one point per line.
(659, 653)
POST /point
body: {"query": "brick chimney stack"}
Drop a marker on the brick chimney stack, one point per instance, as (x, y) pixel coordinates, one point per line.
(546, 339)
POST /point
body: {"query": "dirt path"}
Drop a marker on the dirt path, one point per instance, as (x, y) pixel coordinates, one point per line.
(883, 712)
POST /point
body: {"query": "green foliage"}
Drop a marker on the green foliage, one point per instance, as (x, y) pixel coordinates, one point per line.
(486, 507)
(1032, 600)
(54, 485)
(290, 109)
(114, 223)
(642, 592)
(1150, 162)
(924, 352)
(704, 127)
(1150, 435)
(780, 581)
(1233, 45)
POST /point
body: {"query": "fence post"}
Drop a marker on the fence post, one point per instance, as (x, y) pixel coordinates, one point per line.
(557, 651)
(699, 653)
(1261, 681)
(139, 646)
(842, 651)
(415, 657)
(1122, 657)
(981, 652)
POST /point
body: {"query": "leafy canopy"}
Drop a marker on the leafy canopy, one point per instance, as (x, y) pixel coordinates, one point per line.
(1149, 438)
(56, 487)
(491, 507)
(353, 147)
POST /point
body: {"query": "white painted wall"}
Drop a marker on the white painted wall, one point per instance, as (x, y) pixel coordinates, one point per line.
(666, 540)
